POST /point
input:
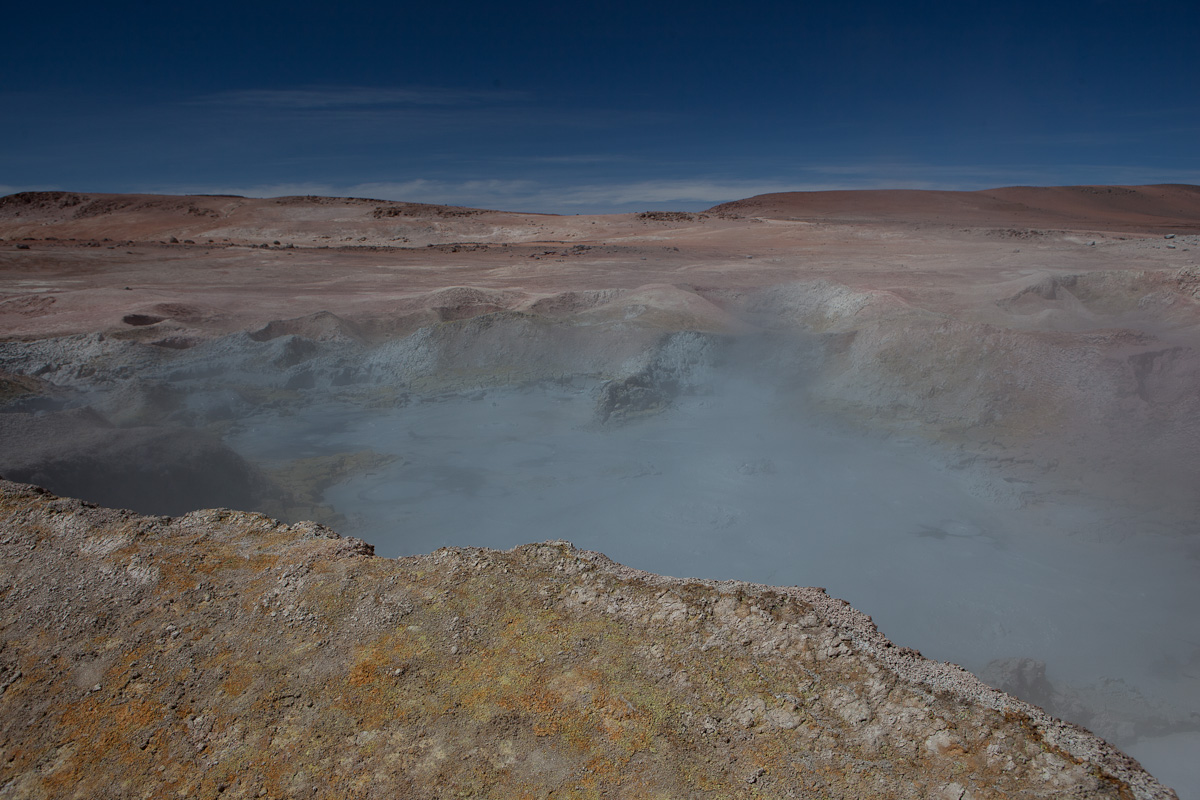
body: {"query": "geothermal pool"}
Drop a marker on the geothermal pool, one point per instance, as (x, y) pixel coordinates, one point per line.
(741, 483)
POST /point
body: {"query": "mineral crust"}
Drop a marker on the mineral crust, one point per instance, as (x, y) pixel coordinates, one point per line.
(227, 654)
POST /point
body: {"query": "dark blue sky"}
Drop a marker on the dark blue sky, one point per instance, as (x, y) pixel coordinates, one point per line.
(589, 106)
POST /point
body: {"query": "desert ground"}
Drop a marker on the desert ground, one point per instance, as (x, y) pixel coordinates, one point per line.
(973, 415)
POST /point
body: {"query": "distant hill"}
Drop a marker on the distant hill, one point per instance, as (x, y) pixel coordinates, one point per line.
(229, 218)
(313, 220)
(1134, 208)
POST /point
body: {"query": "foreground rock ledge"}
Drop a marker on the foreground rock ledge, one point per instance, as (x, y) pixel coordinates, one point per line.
(224, 653)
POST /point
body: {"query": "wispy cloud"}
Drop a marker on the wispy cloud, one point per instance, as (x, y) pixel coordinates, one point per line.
(479, 193)
(348, 118)
(690, 193)
(1128, 174)
(247, 190)
(344, 97)
(580, 158)
(542, 195)
(525, 195)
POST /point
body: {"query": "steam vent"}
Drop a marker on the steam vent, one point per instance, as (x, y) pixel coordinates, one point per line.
(306, 497)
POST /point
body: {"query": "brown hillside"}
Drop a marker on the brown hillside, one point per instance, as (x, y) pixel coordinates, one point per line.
(1134, 208)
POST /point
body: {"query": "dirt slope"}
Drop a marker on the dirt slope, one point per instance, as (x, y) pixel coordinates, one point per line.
(226, 654)
(1122, 208)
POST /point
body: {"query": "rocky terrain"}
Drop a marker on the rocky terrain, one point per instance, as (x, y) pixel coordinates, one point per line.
(297, 356)
(227, 654)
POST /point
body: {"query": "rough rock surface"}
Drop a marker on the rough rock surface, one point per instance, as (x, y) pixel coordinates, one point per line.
(227, 654)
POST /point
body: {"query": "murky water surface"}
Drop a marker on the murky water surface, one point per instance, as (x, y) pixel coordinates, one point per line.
(737, 484)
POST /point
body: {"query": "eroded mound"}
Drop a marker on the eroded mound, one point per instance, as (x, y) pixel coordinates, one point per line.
(225, 652)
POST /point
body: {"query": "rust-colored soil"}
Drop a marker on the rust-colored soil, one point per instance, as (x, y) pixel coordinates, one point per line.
(224, 654)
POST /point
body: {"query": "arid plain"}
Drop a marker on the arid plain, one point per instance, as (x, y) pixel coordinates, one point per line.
(973, 414)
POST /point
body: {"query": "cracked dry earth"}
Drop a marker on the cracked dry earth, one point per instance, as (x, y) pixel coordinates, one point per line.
(226, 654)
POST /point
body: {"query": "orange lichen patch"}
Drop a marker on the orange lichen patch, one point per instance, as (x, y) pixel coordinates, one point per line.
(368, 668)
(374, 661)
(99, 731)
(534, 673)
(238, 680)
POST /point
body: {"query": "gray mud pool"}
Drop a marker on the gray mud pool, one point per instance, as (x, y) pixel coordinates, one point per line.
(737, 484)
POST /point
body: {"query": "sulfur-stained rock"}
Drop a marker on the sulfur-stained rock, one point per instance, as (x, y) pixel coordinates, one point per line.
(225, 653)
